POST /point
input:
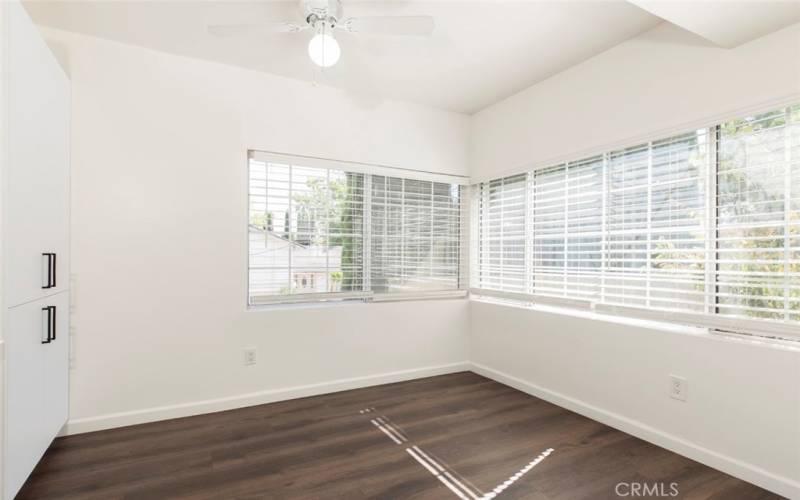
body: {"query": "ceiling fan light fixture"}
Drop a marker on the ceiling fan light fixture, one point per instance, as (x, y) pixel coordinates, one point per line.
(324, 50)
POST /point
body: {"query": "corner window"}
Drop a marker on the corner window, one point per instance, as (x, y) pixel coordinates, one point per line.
(702, 228)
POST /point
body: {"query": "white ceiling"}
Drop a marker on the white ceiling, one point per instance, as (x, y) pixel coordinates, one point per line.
(726, 24)
(480, 52)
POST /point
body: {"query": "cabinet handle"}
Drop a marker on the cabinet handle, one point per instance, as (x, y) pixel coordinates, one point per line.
(48, 273)
(53, 329)
(51, 270)
(49, 323)
(53, 281)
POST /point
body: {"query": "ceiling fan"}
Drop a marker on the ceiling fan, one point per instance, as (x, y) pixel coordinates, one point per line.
(324, 17)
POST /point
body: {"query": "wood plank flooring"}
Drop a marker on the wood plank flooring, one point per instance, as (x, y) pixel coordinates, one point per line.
(480, 432)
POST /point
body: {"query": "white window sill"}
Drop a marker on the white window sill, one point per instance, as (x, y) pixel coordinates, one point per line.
(647, 323)
(315, 304)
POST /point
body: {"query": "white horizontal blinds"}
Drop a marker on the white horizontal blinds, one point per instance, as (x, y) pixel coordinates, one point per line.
(757, 246)
(549, 223)
(678, 222)
(628, 226)
(448, 242)
(585, 217)
(567, 217)
(346, 230)
(656, 224)
(703, 226)
(305, 230)
(415, 235)
(501, 234)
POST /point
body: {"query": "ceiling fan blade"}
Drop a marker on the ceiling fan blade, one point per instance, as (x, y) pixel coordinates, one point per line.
(228, 30)
(390, 25)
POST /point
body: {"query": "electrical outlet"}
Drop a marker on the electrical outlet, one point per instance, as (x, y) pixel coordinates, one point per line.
(250, 356)
(678, 387)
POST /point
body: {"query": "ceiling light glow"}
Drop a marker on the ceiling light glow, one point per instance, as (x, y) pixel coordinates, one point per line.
(324, 50)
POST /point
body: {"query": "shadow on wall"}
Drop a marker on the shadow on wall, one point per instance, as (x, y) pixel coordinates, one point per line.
(62, 55)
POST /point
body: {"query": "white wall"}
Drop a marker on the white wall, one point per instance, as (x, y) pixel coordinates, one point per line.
(743, 412)
(663, 81)
(159, 237)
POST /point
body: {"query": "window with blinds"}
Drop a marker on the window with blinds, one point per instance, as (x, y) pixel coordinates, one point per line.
(702, 227)
(326, 233)
(656, 222)
(500, 255)
(566, 215)
(415, 235)
(758, 205)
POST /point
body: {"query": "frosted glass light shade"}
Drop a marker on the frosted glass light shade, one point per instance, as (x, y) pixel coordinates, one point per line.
(324, 50)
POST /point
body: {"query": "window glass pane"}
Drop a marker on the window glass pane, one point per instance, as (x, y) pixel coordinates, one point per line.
(627, 214)
(755, 277)
(678, 222)
(306, 230)
(567, 215)
(501, 234)
(415, 235)
(550, 230)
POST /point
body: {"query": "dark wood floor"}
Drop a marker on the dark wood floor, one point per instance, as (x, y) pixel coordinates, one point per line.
(480, 432)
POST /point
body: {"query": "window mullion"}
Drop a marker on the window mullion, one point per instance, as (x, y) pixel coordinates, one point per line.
(327, 221)
(649, 245)
(711, 221)
(289, 229)
(565, 258)
(787, 205)
(402, 232)
(366, 232)
(430, 241)
(527, 235)
(604, 229)
(530, 233)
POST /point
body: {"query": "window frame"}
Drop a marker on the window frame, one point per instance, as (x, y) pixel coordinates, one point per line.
(708, 316)
(266, 301)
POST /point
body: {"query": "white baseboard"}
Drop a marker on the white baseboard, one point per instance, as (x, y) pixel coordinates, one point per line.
(742, 470)
(122, 419)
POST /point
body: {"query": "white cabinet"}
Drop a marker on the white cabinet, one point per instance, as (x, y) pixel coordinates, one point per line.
(37, 357)
(36, 145)
(34, 105)
(55, 404)
(24, 396)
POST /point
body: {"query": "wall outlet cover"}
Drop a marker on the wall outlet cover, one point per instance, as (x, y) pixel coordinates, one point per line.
(250, 356)
(678, 387)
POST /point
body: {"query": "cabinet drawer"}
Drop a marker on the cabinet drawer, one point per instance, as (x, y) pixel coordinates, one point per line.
(36, 383)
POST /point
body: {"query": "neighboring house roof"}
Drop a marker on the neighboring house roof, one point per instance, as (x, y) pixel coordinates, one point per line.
(273, 252)
(273, 235)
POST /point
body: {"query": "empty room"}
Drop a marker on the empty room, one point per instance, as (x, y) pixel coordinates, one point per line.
(335, 249)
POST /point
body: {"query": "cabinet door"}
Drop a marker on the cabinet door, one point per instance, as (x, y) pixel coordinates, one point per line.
(25, 355)
(37, 162)
(56, 368)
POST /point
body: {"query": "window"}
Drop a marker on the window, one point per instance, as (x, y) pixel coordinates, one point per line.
(703, 227)
(500, 210)
(415, 235)
(655, 224)
(566, 211)
(319, 230)
(758, 204)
